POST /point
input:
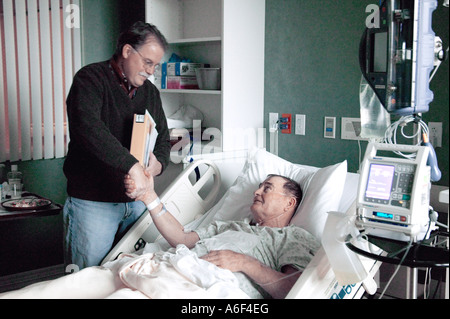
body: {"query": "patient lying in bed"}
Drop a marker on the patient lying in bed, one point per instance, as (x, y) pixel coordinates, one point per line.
(245, 259)
(266, 255)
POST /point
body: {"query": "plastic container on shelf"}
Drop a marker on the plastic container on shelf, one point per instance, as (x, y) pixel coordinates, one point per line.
(208, 78)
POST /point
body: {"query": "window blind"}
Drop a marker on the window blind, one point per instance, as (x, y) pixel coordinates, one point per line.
(40, 51)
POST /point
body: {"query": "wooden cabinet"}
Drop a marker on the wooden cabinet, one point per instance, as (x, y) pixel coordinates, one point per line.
(228, 34)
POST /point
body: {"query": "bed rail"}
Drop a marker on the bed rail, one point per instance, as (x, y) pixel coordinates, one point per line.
(318, 280)
(186, 198)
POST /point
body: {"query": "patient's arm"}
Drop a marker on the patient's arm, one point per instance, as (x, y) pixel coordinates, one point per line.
(277, 284)
(169, 227)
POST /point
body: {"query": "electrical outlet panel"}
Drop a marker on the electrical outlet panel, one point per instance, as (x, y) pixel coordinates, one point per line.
(329, 130)
(285, 123)
(273, 122)
(300, 124)
(435, 133)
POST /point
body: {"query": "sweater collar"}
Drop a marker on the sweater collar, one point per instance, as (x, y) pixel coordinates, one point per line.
(122, 79)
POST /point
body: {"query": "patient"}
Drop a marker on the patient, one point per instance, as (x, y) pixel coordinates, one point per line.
(272, 253)
(240, 259)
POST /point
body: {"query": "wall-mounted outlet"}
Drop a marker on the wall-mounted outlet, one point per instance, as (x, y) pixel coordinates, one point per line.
(285, 123)
(273, 122)
(300, 124)
(329, 130)
(435, 129)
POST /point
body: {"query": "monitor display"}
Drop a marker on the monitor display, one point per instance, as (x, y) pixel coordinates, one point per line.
(380, 180)
(380, 51)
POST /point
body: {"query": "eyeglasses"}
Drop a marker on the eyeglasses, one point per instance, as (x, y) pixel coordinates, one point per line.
(147, 62)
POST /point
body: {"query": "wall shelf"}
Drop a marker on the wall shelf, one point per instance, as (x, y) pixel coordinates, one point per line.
(212, 92)
(195, 40)
(226, 34)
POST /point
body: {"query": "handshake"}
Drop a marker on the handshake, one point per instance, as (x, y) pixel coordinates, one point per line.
(139, 182)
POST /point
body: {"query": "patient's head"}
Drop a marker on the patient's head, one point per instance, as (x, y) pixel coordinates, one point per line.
(276, 201)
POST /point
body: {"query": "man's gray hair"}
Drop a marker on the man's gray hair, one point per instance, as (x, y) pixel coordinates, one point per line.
(139, 34)
(292, 187)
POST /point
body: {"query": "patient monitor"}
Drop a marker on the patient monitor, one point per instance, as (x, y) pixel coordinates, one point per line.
(396, 58)
(397, 55)
(392, 202)
(393, 194)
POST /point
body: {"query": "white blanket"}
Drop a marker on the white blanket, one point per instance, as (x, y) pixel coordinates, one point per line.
(176, 273)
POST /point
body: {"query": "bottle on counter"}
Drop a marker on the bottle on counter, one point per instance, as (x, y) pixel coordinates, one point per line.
(2, 173)
(2, 179)
(15, 182)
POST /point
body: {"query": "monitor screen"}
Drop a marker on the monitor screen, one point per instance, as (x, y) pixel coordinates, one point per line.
(379, 63)
(380, 180)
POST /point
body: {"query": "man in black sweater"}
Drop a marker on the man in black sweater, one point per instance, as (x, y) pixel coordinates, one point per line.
(101, 105)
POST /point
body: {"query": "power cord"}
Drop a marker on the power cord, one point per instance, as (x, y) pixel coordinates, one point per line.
(397, 268)
(390, 135)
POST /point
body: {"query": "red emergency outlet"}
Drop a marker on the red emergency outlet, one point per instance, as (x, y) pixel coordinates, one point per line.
(286, 123)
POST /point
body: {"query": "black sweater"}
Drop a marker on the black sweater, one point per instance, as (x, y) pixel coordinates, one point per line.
(100, 124)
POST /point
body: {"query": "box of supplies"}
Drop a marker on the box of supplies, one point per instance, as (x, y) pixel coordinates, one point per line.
(156, 79)
(182, 68)
(181, 82)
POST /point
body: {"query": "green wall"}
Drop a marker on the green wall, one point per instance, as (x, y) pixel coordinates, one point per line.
(100, 28)
(103, 21)
(312, 68)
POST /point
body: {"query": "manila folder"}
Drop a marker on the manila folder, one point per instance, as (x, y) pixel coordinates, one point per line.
(143, 137)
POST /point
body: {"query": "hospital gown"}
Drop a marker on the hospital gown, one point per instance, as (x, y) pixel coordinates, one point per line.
(274, 247)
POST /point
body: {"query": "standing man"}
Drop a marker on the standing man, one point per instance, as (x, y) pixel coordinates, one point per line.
(101, 105)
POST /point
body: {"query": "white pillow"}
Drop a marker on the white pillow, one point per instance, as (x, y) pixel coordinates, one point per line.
(322, 195)
(322, 189)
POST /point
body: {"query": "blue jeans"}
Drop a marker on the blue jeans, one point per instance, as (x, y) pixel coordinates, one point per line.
(92, 228)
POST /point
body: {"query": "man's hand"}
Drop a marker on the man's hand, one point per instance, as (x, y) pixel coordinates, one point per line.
(147, 196)
(154, 167)
(136, 182)
(276, 283)
(227, 259)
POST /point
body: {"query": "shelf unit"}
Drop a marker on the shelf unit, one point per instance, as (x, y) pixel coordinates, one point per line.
(216, 92)
(228, 34)
(196, 40)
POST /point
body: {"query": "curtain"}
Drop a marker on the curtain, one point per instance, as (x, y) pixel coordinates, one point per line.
(40, 50)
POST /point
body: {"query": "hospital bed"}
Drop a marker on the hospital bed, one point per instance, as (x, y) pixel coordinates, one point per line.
(192, 199)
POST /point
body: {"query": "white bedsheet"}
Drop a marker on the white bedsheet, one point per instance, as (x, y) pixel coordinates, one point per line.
(176, 273)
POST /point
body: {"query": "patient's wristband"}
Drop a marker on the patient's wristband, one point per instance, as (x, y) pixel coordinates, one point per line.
(154, 204)
(162, 212)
